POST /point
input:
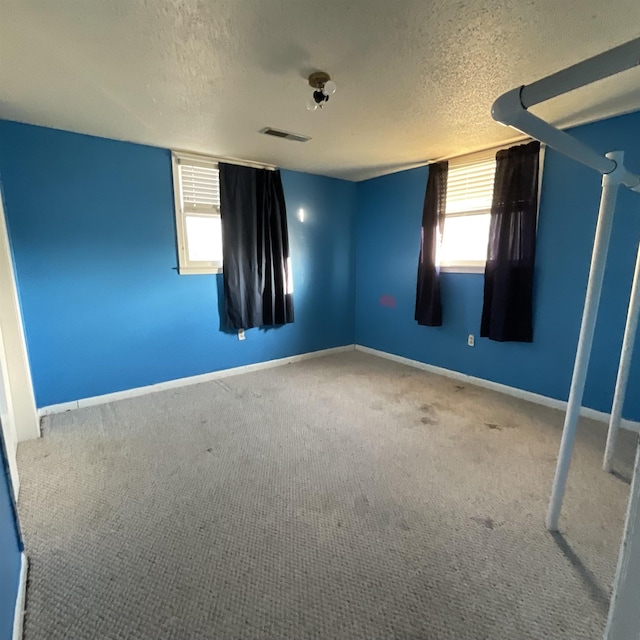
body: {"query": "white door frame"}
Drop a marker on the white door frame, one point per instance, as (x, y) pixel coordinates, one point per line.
(7, 422)
(19, 388)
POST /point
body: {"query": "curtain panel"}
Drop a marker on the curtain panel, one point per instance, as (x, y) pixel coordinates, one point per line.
(428, 303)
(255, 248)
(507, 313)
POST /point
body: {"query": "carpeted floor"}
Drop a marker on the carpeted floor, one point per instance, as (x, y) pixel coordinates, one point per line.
(341, 497)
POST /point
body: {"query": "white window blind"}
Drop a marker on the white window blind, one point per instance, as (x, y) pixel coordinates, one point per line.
(470, 187)
(199, 186)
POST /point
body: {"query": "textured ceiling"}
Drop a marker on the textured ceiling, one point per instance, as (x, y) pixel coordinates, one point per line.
(416, 79)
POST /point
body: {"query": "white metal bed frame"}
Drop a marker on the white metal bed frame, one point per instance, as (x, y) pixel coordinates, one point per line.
(511, 109)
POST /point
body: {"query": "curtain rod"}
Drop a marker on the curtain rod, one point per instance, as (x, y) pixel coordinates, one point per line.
(238, 161)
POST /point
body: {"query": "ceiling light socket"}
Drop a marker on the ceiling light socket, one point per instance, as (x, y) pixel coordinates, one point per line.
(323, 87)
(318, 79)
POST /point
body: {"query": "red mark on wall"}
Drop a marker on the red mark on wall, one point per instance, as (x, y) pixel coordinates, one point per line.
(388, 301)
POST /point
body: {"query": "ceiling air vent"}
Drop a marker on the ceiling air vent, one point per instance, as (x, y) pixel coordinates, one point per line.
(268, 131)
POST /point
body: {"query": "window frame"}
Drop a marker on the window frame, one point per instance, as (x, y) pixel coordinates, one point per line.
(475, 266)
(186, 266)
(468, 266)
(464, 266)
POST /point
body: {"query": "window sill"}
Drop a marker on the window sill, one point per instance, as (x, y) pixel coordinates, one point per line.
(462, 268)
(194, 271)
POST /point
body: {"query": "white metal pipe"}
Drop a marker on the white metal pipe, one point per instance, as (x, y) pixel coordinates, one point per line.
(632, 181)
(624, 613)
(511, 108)
(623, 370)
(606, 64)
(508, 110)
(610, 186)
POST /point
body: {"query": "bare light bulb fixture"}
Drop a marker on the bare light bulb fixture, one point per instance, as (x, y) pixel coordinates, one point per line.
(323, 87)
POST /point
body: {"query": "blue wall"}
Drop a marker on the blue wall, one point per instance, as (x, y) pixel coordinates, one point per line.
(387, 245)
(91, 224)
(9, 556)
(92, 228)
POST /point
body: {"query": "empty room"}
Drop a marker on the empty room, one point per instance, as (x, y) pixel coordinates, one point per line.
(317, 320)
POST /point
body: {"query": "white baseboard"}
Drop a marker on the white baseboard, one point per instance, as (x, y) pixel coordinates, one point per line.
(184, 382)
(224, 373)
(18, 618)
(496, 386)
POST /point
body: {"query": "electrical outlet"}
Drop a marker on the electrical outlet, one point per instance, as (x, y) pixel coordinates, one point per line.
(240, 334)
(471, 341)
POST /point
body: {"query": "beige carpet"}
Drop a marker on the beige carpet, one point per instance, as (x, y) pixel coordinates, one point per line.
(341, 497)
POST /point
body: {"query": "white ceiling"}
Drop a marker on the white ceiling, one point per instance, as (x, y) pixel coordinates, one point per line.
(416, 79)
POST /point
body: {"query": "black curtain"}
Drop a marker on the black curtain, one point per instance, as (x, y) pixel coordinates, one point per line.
(428, 304)
(255, 248)
(507, 314)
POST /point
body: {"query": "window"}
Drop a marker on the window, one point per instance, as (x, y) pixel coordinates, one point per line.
(468, 213)
(196, 189)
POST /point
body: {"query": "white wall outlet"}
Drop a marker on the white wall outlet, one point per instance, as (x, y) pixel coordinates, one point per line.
(240, 334)
(471, 340)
